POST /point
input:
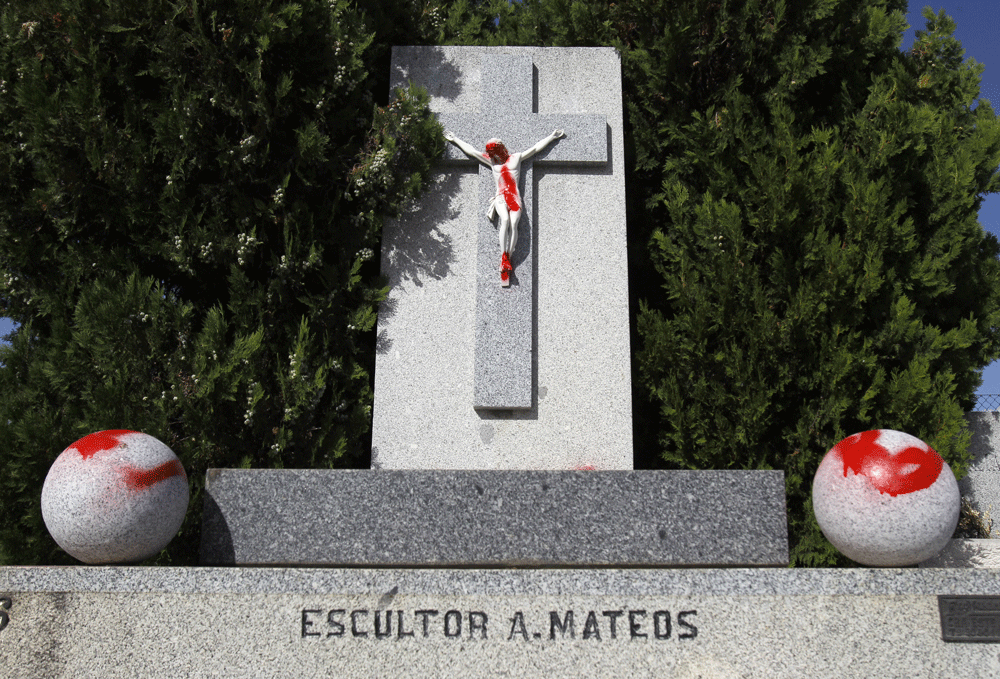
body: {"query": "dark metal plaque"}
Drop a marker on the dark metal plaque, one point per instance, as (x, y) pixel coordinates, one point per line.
(970, 618)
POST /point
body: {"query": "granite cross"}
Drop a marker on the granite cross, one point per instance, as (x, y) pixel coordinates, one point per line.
(505, 316)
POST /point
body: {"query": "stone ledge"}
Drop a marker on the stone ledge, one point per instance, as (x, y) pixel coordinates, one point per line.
(618, 582)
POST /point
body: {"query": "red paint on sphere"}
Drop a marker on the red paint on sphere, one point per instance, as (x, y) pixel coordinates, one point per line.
(509, 189)
(140, 479)
(98, 441)
(884, 470)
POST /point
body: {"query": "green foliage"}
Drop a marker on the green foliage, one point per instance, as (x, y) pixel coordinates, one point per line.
(192, 196)
(808, 194)
(850, 285)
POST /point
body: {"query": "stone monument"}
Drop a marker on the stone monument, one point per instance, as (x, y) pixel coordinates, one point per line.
(473, 375)
(502, 531)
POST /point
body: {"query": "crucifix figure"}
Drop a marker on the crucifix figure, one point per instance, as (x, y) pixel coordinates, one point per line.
(506, 203)
(504, 315)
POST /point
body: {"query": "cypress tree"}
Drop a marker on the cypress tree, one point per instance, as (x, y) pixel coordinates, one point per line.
(191, 196)
(823, 268)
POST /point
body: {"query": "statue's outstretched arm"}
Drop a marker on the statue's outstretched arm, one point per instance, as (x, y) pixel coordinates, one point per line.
(543, 144)
(468, 149)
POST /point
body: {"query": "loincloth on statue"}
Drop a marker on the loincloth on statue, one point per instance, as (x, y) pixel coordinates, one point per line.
(500, 201)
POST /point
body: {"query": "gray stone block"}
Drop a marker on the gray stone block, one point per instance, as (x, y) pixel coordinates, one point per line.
(494, 518)
(682, 623)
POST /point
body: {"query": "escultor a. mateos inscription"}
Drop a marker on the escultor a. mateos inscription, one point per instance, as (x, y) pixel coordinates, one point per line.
(598, 625)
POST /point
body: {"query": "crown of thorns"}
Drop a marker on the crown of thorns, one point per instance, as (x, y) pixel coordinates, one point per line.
(494, 145)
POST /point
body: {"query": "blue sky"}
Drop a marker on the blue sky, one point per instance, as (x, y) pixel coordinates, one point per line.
(978, 24)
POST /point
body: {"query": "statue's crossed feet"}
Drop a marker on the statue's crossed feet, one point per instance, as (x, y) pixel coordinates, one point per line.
(506, 269)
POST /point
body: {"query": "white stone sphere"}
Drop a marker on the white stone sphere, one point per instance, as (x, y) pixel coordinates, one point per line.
(885, 498)
(115, 496)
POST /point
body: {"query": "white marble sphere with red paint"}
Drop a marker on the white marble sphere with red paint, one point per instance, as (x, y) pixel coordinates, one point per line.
(886, 498)
(115, 496)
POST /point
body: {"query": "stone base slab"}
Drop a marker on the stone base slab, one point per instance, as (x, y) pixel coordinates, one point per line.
(720, 623)
(494, 518)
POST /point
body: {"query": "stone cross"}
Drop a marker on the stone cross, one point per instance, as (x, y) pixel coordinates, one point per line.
(505, 316)
(566, 337)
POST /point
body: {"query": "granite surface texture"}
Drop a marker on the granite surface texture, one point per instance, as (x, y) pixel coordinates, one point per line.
(967, 553)
(250, 622)
(580, 409)
(494, 518)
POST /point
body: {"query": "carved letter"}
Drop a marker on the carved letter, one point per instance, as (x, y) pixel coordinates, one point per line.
(306, 622)
(379, 634)
(590, 628)
(517, 626)
(665, 616)
(477, 621)
(562, 625)
(5, 604)
(400, 631)
(684, 623)
(634, 626)
(354, 622)
(426, 614)
(333, 620)
(614, 621)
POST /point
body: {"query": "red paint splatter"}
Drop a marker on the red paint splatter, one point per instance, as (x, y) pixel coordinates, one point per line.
(885, 471)
(506, 268)
(509, 189)
(102, 440)
(586, 468)
(140, 479)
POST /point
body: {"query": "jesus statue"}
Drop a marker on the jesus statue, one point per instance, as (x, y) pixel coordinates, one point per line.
(506, 204)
